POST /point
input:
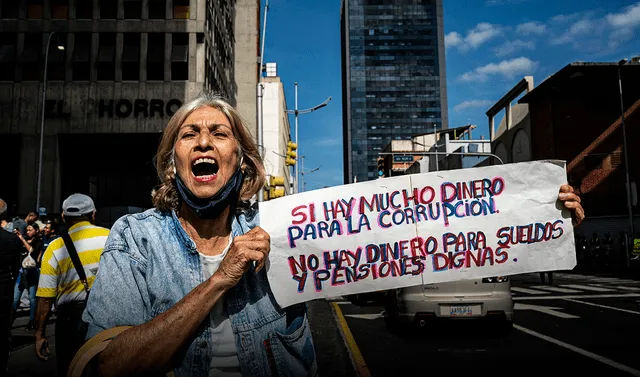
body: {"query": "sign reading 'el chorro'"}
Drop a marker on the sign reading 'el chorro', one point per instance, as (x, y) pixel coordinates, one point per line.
(417, 229)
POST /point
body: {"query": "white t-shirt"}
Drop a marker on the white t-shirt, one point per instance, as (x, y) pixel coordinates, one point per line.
(225, 361)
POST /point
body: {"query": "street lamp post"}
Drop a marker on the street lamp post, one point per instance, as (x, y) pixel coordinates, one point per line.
(302, 173)
(626, 158)
(296, 112)
(44, 95)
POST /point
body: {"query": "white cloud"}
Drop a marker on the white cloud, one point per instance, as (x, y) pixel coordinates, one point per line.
(506, 68)
(623, 24)
(453, 39)
(597, 34)
(480, 34)
(578, 30)
(510, 47)
(564, 18)
(328, 142)
(629, 17)
(472, 103)
(531, 28)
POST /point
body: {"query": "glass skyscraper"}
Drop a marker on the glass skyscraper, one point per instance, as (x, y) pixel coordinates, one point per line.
(393, 72)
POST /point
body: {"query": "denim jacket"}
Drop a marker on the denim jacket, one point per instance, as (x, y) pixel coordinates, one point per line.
(149, 263)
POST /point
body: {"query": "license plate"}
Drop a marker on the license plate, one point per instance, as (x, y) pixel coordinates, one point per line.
(461, 311)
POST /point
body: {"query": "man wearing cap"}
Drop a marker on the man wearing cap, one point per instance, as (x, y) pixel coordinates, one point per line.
(61, 283)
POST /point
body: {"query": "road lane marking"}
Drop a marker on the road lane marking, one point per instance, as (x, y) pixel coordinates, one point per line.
(587, 288)
(365, 316)
(354, 351)
(580, 351)
(624, 288)
(343, 302)
(603, 306)
(545, 309)
(556, 289)
(529, 291)
(612, 295)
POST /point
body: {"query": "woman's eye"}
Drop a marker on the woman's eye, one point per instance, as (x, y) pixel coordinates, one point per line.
(188, 134)
(220, 134)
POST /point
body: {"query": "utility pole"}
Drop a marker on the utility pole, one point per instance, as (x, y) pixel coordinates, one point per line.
(44, 98)
(435, 137)
(297, 112)
(259, 95)
(626, 162)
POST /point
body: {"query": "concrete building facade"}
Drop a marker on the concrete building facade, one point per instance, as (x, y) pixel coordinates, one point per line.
(393, 77)
(127, 65)
(575, 115)
(247, 60)
(276, 130)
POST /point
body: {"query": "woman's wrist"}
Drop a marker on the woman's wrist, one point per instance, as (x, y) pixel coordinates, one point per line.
(220, 280)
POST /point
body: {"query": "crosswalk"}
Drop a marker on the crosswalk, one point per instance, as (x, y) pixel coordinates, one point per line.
(576, 284)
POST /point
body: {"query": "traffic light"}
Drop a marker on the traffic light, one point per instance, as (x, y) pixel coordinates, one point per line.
(380, 162)
(275, 191)
(291, 153)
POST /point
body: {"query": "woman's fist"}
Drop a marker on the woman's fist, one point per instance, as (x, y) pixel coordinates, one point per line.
(251, 247)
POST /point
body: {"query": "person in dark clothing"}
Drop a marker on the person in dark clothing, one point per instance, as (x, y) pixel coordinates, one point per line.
(49, 233)
(548, 275)
(32, 245)
(10, 249)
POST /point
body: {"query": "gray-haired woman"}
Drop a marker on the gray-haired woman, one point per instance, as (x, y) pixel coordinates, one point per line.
(188, 274)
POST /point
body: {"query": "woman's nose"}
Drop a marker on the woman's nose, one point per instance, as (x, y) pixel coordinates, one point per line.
(204, 141)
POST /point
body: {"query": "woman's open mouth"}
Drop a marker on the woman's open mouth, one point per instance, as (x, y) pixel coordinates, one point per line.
(204, 169)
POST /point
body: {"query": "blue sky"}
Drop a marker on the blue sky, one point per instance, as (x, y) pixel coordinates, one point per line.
(491, 44)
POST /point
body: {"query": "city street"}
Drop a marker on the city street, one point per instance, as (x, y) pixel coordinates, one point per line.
(581, 325)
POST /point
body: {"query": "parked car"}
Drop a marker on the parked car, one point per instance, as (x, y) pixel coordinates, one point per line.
(480, 299)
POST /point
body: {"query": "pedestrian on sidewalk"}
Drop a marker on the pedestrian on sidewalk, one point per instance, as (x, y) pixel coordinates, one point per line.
(69, 268)
(549, 277)
(189, 274)
(10, 249)
(49, 233)
(29, 274)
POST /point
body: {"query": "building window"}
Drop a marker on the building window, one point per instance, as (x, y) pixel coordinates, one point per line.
(84, 9)
(180, 56)
(108, 9)
(132, 9)
(131, 57)
(7, 56)
(155, 56)
(57, 58)
(107, 56)
(35, 9)
(181, 9)
(82, 57)
(30, 57)
(10, 9)
(157, 9)
(59, 9)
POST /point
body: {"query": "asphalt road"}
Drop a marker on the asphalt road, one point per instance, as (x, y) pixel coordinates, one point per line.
(583, 325)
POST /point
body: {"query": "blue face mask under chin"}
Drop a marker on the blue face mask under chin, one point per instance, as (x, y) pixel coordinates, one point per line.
(211, 208)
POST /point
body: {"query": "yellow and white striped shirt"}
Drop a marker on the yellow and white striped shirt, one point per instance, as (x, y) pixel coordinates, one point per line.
(58, 277)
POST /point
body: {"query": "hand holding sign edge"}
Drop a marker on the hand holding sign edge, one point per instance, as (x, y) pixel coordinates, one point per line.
(572, 202)
(253, 246)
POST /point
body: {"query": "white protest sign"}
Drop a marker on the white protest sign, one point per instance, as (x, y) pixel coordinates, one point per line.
(417, 229)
